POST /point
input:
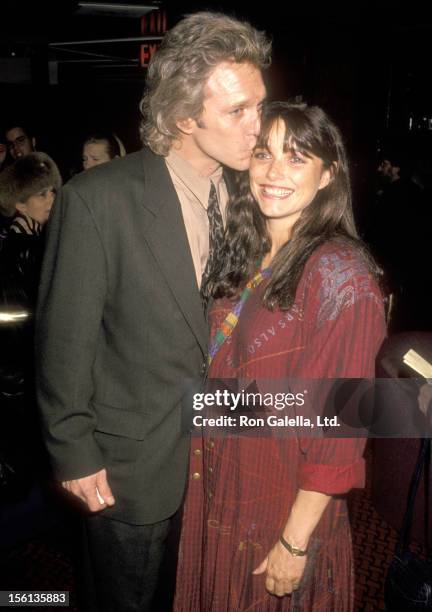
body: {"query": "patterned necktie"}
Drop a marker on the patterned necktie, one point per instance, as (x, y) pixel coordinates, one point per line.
(216, 235)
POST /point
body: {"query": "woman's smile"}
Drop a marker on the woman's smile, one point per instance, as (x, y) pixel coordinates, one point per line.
(275, 192)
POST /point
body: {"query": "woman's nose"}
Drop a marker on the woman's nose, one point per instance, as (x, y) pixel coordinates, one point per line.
(277, 169)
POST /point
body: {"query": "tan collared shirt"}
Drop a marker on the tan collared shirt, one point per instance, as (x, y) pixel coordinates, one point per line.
(193, 191)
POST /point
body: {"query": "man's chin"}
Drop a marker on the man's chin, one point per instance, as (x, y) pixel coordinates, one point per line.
(240, 165)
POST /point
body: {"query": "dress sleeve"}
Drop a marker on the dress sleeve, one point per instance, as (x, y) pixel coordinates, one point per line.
(344, 316)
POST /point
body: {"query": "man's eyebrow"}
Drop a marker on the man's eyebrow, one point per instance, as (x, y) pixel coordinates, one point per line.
(20, 137)
(245, 102)
(239, 102)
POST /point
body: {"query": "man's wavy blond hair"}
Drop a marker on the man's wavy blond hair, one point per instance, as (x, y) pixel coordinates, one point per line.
(180, 68)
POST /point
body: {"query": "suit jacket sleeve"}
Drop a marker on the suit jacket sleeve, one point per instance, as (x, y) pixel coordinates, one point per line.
(69, 318)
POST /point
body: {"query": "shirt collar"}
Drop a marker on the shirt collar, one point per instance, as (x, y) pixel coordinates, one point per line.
(190, 177)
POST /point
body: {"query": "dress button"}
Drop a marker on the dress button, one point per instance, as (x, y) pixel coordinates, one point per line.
(210, 494)
(196, 475)
(197, 452)
(203, 367)
(210, 470)
(211, 444)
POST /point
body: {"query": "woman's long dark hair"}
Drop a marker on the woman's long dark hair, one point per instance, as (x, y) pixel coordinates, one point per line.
(328, 217)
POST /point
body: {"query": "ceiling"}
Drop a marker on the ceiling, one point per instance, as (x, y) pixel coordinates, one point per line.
(73, 39)
(70, 40)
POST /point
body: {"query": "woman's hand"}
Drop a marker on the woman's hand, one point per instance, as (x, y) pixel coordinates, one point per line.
(284, 571)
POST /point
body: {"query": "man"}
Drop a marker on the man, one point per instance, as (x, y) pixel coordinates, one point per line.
(3, 151)
(20, 141)
(388, 171)
(399, 236)
(121, 330)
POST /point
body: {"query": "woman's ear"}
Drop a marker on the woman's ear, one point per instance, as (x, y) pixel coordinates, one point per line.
(328, 175)
(21, 207)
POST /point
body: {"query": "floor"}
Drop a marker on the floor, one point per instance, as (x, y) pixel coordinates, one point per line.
(45, 562)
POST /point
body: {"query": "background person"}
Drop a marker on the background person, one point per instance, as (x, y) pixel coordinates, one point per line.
(20, 140)
(273, 509)
(27, 190)
(3, 162)
(3, 152)
(101, 147)
(398, 234)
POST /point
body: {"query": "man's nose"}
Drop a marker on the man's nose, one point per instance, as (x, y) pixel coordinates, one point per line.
(253, 128)
(255, 123)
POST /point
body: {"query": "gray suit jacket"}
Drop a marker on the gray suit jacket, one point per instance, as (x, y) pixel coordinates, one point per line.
(121, 336)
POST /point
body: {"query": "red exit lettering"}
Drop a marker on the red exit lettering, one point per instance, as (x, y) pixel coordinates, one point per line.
(154, 23)
(147, 52)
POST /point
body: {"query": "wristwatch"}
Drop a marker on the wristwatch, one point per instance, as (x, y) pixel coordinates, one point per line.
(296, 552)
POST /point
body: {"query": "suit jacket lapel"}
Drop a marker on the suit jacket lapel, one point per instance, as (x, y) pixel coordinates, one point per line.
(166, 236)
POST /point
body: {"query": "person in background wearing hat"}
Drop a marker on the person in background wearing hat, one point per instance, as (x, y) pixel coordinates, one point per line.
(27, 189)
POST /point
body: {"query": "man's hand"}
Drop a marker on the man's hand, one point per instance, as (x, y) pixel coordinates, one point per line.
(93, 490)
(283, 571)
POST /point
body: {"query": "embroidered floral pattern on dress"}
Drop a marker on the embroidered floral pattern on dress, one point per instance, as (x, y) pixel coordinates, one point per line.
(345, 281)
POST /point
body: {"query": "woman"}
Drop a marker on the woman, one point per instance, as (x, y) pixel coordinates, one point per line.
(276, 531)
(27, 189)
(100, 148)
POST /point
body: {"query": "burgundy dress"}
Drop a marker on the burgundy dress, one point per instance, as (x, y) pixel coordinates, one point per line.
(241, 489)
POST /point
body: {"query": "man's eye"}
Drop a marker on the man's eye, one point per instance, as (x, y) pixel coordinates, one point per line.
(237, 111)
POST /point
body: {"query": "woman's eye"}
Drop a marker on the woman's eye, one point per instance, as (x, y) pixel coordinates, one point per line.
(296, 159)
(262, 155)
